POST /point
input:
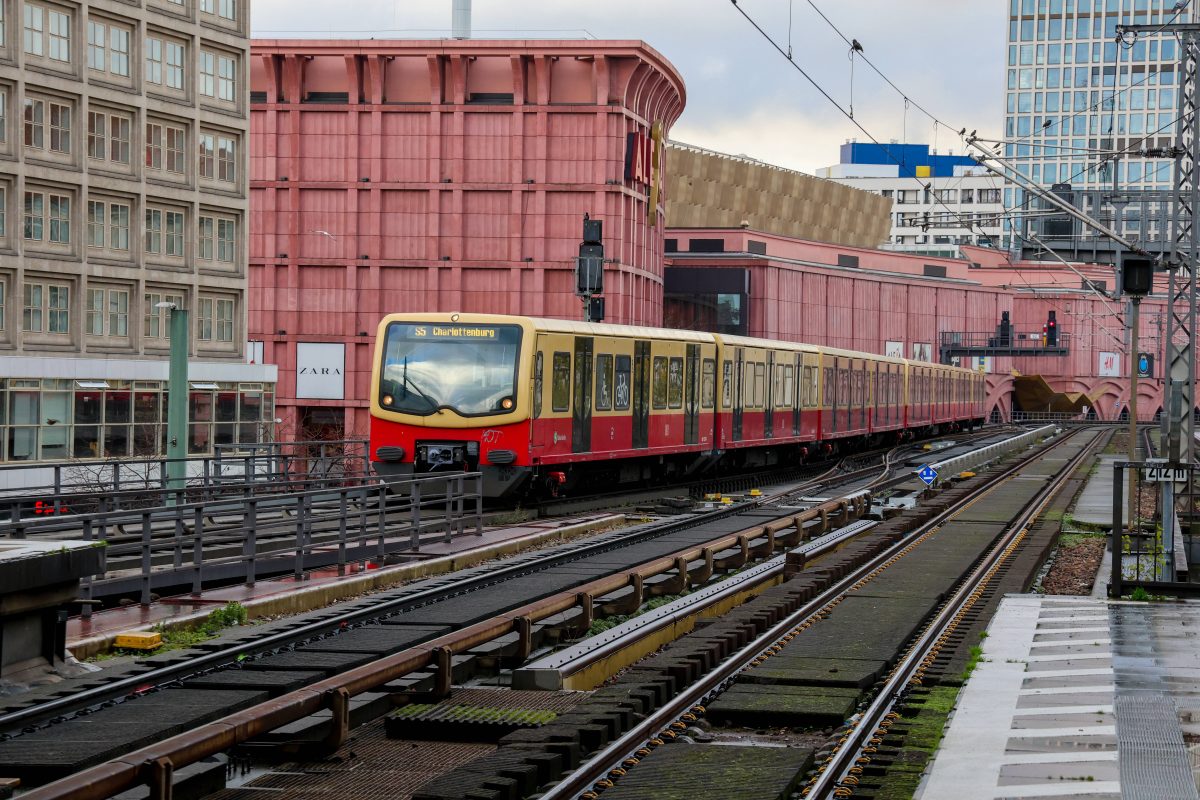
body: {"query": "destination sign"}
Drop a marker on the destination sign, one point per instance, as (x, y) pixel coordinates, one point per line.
(455, 332)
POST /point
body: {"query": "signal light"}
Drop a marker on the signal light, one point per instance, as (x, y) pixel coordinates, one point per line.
(1052, 331)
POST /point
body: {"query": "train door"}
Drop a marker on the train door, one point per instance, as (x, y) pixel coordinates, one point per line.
(691, 395)
(581, 414)
(641, 394)
(836, 405)
(797, 387)
(738, 377)
(769, 407)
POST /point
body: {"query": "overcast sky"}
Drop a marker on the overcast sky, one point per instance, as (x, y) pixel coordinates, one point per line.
(743, 96)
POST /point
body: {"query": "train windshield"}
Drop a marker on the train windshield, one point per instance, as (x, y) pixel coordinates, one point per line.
(470, 369)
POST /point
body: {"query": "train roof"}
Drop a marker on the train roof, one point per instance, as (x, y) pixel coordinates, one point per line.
(549, 325)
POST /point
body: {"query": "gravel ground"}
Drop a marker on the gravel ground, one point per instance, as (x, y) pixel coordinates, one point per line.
(1074, 567)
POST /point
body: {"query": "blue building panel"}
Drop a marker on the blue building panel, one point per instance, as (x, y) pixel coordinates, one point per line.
(907, 156)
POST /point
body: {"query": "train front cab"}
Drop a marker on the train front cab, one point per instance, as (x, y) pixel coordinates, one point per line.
(453, 393)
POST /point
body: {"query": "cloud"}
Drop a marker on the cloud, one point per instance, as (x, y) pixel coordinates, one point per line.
(743, 96)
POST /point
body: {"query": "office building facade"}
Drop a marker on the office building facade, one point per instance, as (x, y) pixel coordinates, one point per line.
(1074, 94)
(123, 187)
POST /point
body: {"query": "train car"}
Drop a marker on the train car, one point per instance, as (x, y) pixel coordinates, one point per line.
(767, 411)
(542, 406)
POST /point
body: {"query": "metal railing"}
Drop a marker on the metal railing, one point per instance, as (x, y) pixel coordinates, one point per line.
(245, 538)
(69, 487)
(1021, 342)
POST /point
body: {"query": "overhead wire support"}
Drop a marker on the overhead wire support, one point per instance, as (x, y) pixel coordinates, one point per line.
(1010, 173)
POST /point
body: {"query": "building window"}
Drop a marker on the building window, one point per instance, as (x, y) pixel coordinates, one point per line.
(3, 290)
(35, 216)
(154, 145)
(97, 34)
(155, 321)
(50, 303)
(226, 9)
(208, 74)
(108, 48)
(226, 78)
(204, 320)
(3, 217)
(3, 102)
(113, 215)
(154, 60)
(207, 155)
(217, 239)
(120, 134)
(174, 150)
(226, 161)
(35, 123)
(97, 135)
(108, 312)
(215, 320)
(173, 242)
(60, 219)
(60, 36)
(118, 226)
(174, 72)
(60, 128)
(35, 30)
(164, 147)
(226, 235)
(97, 214)
(154, 230)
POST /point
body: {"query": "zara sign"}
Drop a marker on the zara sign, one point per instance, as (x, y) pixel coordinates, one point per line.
(321, 370)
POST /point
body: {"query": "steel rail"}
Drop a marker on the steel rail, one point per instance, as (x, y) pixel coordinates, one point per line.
(836, 775)
(152, 763)
(599, 766)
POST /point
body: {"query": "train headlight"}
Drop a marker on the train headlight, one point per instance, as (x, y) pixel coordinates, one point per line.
(388, 399)
(506, 403)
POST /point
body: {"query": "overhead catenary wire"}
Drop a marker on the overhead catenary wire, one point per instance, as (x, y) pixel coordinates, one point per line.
(847, 113)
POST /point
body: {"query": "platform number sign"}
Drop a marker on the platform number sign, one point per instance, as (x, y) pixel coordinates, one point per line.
(1163, 473)
(928, 474)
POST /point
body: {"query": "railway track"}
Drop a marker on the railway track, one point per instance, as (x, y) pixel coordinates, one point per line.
(366, 645)
(841, 766)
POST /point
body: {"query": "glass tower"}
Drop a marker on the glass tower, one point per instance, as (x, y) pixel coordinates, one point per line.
(1074, 93)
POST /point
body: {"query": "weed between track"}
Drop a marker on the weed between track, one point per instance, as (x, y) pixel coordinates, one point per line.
(228, 616)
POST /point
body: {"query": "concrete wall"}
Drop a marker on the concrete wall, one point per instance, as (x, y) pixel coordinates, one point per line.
(714, 190)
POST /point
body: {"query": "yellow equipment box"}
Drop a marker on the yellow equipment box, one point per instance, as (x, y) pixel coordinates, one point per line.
(138, 640)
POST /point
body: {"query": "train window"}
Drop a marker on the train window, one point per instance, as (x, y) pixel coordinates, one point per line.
(828, 386)
(727, 384)
(560, 390)
(777, 386)
(537, 384)
(621, 384)
(675, 383)
(813, 373)
(660, 381)
(604, 382)
(788, 384)
(760, 384)
(708, 383)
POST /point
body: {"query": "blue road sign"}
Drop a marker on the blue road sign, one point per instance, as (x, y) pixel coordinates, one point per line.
(927, 474)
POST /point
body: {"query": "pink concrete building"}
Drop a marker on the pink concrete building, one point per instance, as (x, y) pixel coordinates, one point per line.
(904, 304)
(442, 175)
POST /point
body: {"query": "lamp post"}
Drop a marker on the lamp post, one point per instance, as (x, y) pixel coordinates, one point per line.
(177, 397)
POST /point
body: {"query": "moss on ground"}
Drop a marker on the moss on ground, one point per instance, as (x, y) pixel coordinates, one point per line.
(924, 734)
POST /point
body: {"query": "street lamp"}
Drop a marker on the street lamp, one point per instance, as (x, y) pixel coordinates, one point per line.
(177, 397)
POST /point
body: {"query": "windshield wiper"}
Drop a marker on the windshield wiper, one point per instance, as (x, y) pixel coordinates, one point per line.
(409, 382)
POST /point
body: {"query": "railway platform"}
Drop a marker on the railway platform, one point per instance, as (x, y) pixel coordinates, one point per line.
(87, 636)
(1077, 697)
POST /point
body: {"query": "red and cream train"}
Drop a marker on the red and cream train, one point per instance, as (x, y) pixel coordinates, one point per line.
(546, 405)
